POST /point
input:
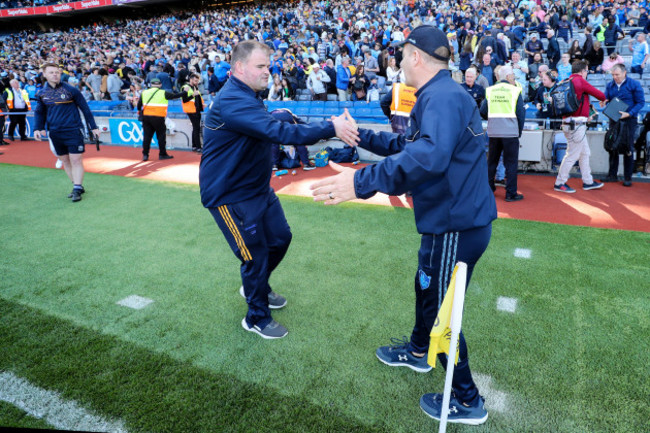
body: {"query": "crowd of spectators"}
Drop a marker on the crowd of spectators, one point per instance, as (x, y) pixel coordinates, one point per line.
(344, 48)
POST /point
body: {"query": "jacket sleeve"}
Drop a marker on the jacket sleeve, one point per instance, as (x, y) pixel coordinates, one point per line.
(40, 114)
(419, 161)
(484, 109)
(385, 102)
(521, 113)
(185, 97)
(639, 100)
(246, 116)
(591, 90)
(381, 143)
(85, 109)
(170, 95)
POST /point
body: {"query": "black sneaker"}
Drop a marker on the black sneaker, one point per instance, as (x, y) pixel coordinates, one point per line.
(515, 197)
(163, 157)
(271, 331)
(500, 182)
(398, 355)
(460, 413)
(145, 157)
(309, 166)
(627, 183)
(76, 195)
(82, 190)
(275, 301)
(610, 179)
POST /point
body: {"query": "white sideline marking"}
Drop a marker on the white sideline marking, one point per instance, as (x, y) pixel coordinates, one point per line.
(494, 400)
(49, 406)
(506, 304)
(136, 302)
(522, 253)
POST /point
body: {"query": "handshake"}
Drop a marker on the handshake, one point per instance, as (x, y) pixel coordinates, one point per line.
(346, 128)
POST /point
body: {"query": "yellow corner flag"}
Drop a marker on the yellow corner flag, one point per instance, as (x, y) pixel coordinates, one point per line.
(441, 331)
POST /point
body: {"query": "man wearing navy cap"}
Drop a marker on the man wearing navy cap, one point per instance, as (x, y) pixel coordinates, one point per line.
(441, 161)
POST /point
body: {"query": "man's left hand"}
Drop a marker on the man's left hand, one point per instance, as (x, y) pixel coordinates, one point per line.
(624, 115)
(335, 189)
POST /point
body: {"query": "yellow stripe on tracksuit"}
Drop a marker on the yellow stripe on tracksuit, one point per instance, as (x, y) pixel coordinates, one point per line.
(225, 214)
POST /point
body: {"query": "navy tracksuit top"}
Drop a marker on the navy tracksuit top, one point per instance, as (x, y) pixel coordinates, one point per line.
(58, 108)
(236, 161)
(441, 160)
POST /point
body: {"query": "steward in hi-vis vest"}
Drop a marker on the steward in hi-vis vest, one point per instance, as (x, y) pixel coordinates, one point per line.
(397, 105)
(193, 105)
(18, 102)
(153, 106)
(504, 109)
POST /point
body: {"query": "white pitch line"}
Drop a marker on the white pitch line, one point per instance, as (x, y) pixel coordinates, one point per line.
(506, 304)
(48, 405)
(494, 400)
(134, 301)
(522, 253)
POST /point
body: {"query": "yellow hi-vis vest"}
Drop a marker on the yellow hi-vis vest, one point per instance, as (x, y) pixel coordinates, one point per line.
(155, 103)
(403, 100)
(502, 110)
(189, 107)
(23, 94)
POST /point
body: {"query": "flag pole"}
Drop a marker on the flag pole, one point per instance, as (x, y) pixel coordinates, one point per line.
(456, 319)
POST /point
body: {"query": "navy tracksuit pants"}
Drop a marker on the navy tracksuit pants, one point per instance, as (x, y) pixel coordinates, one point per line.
(510, 148)
(259, 235)
(436, 260)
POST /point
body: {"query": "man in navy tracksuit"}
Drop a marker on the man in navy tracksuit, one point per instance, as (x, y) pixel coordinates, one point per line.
(58, 107)
(441, 161)
(234, 178)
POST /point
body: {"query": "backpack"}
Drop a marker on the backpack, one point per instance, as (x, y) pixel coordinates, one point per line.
(321, 158)
(615, 137)
(344, 154)
(564, 99)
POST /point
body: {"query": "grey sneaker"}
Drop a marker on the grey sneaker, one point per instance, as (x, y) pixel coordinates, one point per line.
(271, 331)
(275, 301)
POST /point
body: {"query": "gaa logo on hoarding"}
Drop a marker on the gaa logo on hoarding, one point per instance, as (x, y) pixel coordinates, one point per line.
(130, 132)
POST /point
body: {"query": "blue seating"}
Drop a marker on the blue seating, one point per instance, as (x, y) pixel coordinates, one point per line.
(373, 104)
(332, 104)
(346, 104)
(332, 111)
(364, 111)
(301, 111)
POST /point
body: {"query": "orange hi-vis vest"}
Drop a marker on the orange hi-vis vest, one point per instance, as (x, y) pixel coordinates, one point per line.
(25, 96)
(189, 107)
(403, 100)
(155, 103)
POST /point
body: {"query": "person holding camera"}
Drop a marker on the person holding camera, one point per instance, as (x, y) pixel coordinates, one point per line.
(575, 131)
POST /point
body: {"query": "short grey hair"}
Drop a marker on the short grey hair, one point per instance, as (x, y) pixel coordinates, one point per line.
(504, 71)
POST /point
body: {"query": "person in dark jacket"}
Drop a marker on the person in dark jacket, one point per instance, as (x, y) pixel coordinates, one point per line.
(612, 34)
(58, 111)
(213, 83)
(553, 50)
(234, 177)
(441, 160)
(629, 91)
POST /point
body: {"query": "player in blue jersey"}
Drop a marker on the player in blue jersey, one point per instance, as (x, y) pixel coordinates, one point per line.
(58, 112)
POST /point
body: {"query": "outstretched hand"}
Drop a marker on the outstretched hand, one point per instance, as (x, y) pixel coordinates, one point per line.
(346, 128)
(335, 189)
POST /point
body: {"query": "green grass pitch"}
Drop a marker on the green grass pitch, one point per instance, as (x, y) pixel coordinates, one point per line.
(572, 358)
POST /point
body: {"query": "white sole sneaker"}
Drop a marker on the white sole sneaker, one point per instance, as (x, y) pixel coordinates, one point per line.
(258, 331)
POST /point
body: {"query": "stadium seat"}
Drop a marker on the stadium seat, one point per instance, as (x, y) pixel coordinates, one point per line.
(346, 104)
(316, 111)
(301, 111)
(332, 98)
(332, 111)
(373, 104)
(304, 97)
(332, 104)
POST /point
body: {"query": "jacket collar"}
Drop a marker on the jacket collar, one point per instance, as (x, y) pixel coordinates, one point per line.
(243, 86)
(441, 75)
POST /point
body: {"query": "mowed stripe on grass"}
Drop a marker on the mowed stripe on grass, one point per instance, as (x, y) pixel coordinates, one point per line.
(348, 277)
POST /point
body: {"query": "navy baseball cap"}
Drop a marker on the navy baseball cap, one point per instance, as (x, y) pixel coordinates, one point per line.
(285, 115)
(428, 39)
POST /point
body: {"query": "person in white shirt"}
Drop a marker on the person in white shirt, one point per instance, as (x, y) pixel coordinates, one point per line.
(316, 83)
(392, 71)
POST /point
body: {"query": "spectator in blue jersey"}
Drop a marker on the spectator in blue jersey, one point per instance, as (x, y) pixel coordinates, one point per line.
(343, 76)
(221, 69)
(640, 54)
(58, 112)
(234, 179)
(564, 67)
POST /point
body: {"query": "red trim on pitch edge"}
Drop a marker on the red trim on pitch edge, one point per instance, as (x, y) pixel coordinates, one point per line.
(612, 207)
